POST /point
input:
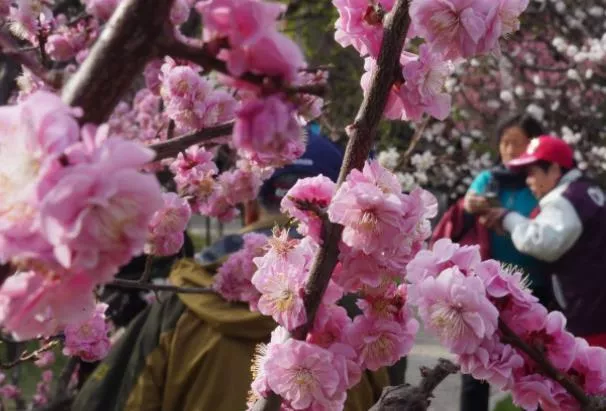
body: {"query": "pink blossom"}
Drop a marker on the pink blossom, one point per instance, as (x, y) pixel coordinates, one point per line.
(96, 215)
(453, 27)
(194, 171)
(588, 368)
(346, 364)
(172, 218)
(493, 362)
(284, 251)
(371, 218)
(360, 26)
(553, 339)
(457, 309)
(303, 375)
(329, 325)
(282, 296)
(260, 386)
(317, 191)
(502, 20)
(45, 359)
(380, 342)
(422, 91)
(388, 303)
(34, 134)
(28, 17)
(32, 304)
(59, 48)
(220, 107)
(444, 254)
(10, 391)
(530, 390)
(179, 13)
(267, 132)
(241, 185)
(358, 269)
(152, 74)
(243, 22)
(164, 244)
(274, 54)
(89, 339)
(233, 279)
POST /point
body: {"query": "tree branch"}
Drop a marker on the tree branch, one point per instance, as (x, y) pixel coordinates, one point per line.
(128, 42)
(33, 356)
(408, 398)
(159, 287)
(361, 136)
(198, 54)
(10, 47)
(511, 338)
(171, 148)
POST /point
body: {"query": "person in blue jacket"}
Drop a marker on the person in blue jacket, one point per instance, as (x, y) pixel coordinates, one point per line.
(501, 187)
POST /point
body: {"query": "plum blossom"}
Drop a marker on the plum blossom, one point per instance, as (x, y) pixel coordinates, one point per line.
(453, 27)
(88, 339)
(34, 135)
(360, 24)
(282, 295)
(493, 361)
(422, 91)
(233, 279)
(457, 309)
(304, 376)
(33, 304)
(381, 342)
(95, 214)
(166, 226)
(267, 132)
(317, 191)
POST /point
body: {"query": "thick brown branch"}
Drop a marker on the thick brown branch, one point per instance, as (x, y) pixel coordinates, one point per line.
(547, 368)
(171, 148)
(361, 134)
(128, 42)
(408, 398)
(159, 287)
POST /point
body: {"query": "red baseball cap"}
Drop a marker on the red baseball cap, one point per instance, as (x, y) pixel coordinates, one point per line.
(545, 148)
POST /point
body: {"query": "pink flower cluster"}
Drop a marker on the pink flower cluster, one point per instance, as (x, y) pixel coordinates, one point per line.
(167, 225)
(67, 42)
(234, 278)
(72, 210)
(190, 100)
(88, 339)
(316, 373)
(211, 194)
(468, 302)
(43, 389)
(384, 228)
(249, 27)
(452, 29)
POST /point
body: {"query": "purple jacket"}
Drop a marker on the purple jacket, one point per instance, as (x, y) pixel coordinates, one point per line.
(570, 234)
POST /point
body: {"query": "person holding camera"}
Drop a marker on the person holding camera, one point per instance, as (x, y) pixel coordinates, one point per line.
(502, 187)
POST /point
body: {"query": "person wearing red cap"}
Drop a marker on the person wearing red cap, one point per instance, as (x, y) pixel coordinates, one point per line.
(569, 233)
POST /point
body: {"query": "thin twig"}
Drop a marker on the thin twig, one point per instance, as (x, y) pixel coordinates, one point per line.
(10, 47)
(198, 54)
(174, 146)
(32, 356)
(147, 271)
(159, 287)
(415, 140)
(361, 136)
(547, 368)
